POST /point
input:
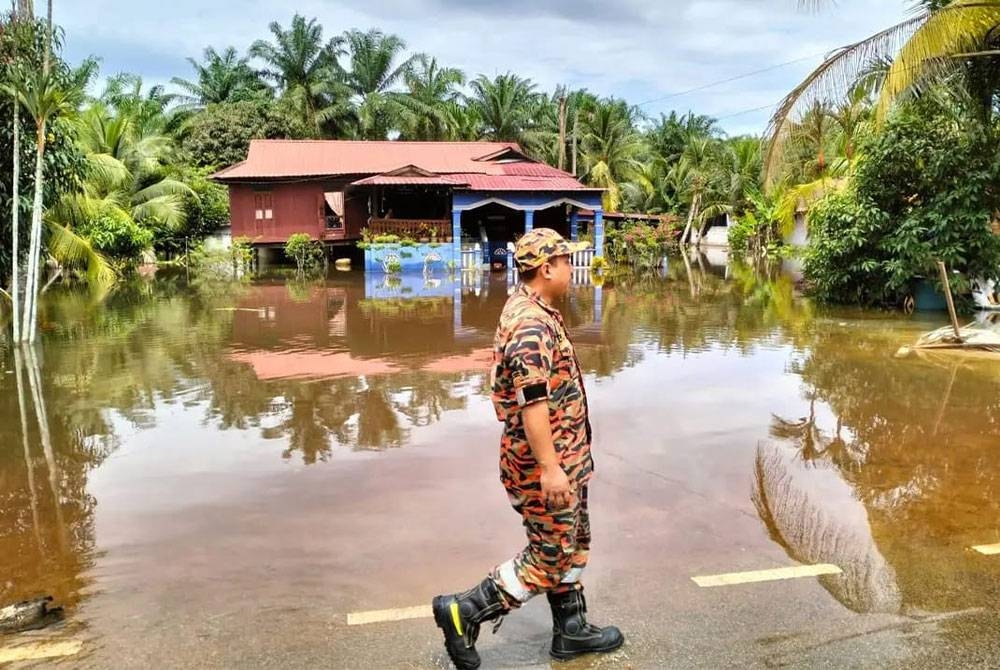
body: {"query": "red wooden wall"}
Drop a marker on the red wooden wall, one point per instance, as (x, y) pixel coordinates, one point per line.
(294, 208)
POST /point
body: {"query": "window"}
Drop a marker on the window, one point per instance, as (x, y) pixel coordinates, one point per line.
(263, 209)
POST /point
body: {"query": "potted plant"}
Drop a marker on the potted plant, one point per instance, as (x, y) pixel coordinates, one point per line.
(425, 233)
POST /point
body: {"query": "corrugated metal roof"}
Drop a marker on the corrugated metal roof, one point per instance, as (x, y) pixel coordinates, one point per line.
(302, 158)
(451, 163)
(405, 180)
(487, 182)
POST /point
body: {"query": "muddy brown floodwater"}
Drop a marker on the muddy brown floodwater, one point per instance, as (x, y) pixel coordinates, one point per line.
(218, 476)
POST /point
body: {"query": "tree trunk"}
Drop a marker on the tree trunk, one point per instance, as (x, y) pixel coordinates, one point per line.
(29, 465)
(691, 217)
(30, 325)
(576, 122)
(15, 218)
(25, 9)
(48, 39)
(562, 133)
(37, 392)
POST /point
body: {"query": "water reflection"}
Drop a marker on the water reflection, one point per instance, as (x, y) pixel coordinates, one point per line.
(883, 467)
(891, 475)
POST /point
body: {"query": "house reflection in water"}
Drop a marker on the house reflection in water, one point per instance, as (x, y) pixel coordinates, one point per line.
(361, 360)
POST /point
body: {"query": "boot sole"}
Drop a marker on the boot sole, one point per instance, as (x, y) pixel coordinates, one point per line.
(570, 655)
(443, 621)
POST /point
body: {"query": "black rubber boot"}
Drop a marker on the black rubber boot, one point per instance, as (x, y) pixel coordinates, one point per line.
(460, 615)
(572, 636)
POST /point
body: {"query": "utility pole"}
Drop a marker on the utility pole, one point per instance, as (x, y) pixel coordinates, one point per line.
(562, 132)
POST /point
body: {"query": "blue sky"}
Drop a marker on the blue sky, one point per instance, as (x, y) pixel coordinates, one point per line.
(640, 50)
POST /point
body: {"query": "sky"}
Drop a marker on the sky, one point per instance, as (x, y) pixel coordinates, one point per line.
(650, 52)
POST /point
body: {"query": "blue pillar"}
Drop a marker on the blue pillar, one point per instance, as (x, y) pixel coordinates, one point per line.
(529, 220)
(598, 232)
(456, 237)
(574, 225)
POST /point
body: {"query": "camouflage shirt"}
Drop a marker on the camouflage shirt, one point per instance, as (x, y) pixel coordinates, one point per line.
(534, 361)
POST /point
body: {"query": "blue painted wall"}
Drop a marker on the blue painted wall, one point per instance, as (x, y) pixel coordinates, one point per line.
(413, 259)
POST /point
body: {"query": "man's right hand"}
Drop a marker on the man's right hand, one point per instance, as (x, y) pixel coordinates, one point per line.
(555, 487)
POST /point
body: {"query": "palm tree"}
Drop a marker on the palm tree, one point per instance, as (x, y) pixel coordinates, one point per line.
(851, 119)
(696, 178)
(42, 96)
(124, 174)
(815, 131)
(147, 110)
(464, 121)
(301, 64)
(15, 224)
(611, 146)
(221, 78)
(740, 170)
(669, 135)
(648, 190)
(377, 65)
(431, 92)
(503, 105)
(942, 40)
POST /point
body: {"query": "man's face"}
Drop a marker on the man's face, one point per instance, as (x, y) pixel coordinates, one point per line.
(559, 273)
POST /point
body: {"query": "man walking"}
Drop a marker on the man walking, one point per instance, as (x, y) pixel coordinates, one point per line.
(545, 466)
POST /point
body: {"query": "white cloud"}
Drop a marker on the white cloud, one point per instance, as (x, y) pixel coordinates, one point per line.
(635, 49)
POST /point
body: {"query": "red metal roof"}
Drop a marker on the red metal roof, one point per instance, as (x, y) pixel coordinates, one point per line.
(455, 164)
(402, 180)
(487, 182)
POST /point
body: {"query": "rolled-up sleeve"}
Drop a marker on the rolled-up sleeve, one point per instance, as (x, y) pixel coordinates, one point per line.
(529, 356)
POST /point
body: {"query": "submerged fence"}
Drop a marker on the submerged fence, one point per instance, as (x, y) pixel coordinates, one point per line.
(472, 257)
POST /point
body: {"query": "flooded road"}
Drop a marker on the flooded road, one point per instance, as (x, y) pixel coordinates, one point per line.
(225, 475)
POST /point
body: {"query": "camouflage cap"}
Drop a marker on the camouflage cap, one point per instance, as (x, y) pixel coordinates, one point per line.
(537, 246)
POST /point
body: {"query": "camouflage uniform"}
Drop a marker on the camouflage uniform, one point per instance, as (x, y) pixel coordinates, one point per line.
(534, 361)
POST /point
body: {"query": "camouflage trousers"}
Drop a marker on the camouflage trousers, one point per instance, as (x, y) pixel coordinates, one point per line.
(557, 551)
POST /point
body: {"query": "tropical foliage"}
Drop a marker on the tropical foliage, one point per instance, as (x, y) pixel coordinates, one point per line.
(126, 174)
(888, 152)
(926, 191)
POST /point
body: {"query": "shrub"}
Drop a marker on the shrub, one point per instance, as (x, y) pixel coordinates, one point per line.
(307, 252)
(639, 244)
(114, 233)
(925, 190)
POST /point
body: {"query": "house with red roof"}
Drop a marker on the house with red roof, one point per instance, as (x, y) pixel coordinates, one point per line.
(456, 194)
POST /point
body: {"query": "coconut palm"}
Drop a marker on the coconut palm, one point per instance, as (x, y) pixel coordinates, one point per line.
(377, 65)
(125, 182)
(147, 108)
(611, 147)
(221, 78)
(851, 120)
(696, 179)
(739, 171)
(431, 92)
(302, 65)
(503, 105)
(942, 40)
(648, 190)
(815, 131)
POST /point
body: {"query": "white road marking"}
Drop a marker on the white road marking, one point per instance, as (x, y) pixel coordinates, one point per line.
(775, 574)
(988, 549)
(36, 651)
(379, 616)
